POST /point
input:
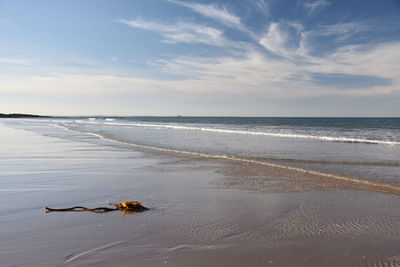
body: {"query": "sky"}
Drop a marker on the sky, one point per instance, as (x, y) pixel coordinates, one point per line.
(200, 58)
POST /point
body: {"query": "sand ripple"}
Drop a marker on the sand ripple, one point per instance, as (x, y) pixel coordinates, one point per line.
(313, 223)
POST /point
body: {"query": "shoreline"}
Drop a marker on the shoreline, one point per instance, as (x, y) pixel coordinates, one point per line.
(320, 178)
(196, 219)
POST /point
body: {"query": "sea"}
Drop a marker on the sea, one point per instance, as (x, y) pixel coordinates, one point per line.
(356, 148)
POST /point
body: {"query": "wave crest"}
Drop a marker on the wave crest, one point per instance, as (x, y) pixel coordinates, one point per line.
(284, 135)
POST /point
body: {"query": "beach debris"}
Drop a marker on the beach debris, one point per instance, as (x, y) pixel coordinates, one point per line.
(126, 206)
(130, 206)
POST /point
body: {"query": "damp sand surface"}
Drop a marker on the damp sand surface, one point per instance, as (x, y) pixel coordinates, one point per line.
(203, 212)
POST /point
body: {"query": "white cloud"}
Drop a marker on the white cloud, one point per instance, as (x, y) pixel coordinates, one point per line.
(213, 11)
(253, 75)
(342, 28)
(342, 31)
(221, 14)
(263, 76)
(311, 6)
(182, 32)
(379, 60)
(283, 39)
(251, 72)
(275, 40)
(291, 40)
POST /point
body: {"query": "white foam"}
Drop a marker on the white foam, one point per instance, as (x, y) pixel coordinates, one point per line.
(284, 135)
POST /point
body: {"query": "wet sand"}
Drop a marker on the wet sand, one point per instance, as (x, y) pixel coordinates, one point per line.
(203, 212)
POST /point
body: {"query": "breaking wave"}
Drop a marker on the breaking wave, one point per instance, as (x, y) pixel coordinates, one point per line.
(261, 133)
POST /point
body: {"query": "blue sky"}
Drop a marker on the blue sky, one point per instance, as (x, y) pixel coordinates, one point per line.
(224, 58)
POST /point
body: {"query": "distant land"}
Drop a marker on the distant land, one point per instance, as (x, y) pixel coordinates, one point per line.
(18, 115)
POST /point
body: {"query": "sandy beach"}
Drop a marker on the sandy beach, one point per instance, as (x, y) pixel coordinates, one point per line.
(203, 212)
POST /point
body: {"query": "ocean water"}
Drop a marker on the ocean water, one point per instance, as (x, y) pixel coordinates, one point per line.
(360, 148)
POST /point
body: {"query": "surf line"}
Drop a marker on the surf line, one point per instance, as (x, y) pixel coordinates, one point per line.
(373, 186)
(284, 135)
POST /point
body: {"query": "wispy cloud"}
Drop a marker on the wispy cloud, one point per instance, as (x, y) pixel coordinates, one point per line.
(342, 31)
(311, 6)
(287, 71)
(181, 32)
(263, 76)
(379, 60)
(16, 61)
(253, 73)
(342, 28)
(262, 5)
(292, 40)
(283, 39)
(213, 11)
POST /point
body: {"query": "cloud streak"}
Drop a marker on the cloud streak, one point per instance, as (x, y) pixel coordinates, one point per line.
(263, 6)
(312, 6)
(213, 11)
(293, 41)
(261, 75)
(181, 32)
(16, 61)
(221, 14)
